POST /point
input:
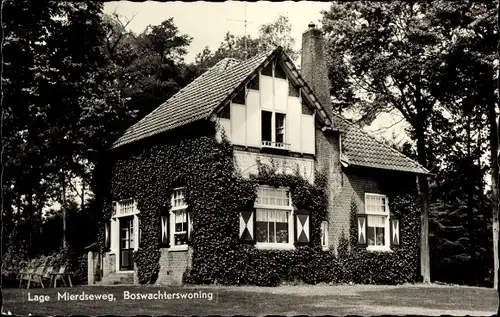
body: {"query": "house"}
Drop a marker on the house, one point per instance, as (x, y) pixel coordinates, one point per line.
(272, 114)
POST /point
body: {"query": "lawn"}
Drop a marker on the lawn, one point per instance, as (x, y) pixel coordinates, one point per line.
(285, 300)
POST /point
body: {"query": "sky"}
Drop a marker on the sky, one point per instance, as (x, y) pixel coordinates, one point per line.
(208, 22)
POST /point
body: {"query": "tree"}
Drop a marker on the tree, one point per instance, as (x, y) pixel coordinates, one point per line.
(433, 63)
(471, 69)
(271, 35)
(57, 98)
(390, 53)
(148, 68)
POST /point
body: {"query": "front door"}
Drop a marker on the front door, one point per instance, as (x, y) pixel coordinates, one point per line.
(126, 243)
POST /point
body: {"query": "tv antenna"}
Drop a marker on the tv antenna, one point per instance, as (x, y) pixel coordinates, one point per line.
(245, 21)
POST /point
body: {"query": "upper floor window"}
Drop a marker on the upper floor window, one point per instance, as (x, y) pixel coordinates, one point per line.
(240, 97)
(226, 112)
(273, 129)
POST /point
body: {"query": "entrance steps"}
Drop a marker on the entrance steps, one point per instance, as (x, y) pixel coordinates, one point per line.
(117, 279)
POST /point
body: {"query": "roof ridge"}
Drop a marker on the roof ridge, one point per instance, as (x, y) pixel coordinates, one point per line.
(380, 142)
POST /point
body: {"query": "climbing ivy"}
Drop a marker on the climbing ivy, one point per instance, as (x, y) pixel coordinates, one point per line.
(396, 267)
(215, 192)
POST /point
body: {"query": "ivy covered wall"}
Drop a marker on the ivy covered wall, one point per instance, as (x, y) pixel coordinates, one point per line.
(215, 193)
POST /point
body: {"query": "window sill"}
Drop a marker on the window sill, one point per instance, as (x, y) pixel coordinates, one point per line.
(275, 246)
(178, 248)
(379, 249)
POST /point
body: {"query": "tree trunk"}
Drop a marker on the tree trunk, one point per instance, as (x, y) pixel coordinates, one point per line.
(83, 195)
(64, 211)
(423, 185)
(470, 184)
(30, 215)
(494, 167)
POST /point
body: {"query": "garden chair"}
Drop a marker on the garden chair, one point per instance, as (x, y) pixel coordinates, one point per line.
(36, 276)
(61, 275)
(47, 276)
(25, 275)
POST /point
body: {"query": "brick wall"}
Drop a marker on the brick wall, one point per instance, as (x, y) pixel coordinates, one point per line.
(105, 265)
(112, 263)
(173, 264)
(355, 183)
(328, 161)
(109, 264)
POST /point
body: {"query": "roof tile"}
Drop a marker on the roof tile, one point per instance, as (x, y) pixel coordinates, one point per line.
(198, 100)
(362, 149)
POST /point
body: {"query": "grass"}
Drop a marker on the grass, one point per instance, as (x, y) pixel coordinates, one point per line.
(285, 300)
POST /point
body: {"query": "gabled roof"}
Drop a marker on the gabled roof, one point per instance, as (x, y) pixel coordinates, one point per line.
(203, 96)
(208, 93)
(361, 149)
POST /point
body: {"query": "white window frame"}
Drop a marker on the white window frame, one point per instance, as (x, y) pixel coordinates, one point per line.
(324, 235)
(115, 229)
(288, 209)
(386, 214)
(273, 126)
(173, 210)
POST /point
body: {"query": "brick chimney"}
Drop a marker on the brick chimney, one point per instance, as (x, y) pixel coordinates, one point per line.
(313, 65)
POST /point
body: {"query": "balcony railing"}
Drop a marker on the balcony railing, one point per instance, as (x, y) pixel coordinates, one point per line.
(275, 145)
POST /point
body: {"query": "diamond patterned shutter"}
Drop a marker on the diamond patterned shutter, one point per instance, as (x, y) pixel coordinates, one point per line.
(395, 241)
(247, 226)
(302, 232)
(107, 234)
(362, 228)
(165, 234)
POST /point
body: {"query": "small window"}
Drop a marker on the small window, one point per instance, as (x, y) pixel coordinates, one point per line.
(306, 109)
(226, 112)
(280, 128)
(279, 72)
(268, 70)
(240, 97)
(266, 126)
(324, 235)
(292, 90)
(254, 83)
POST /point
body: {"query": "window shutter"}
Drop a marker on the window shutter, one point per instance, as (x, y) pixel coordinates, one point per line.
(190, 225)
(362, 228)
(302, 233)
(395, 241)
(165, 233)
(247, 226)
(107, 234)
